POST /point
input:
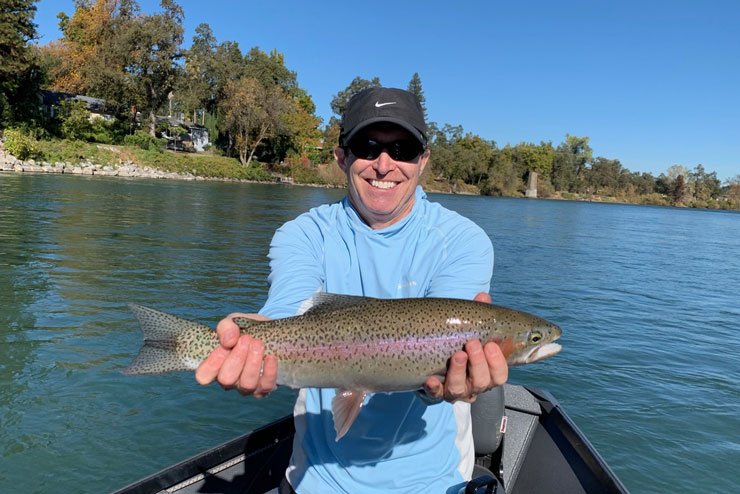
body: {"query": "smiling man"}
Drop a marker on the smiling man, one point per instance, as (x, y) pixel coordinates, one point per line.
(385, 240)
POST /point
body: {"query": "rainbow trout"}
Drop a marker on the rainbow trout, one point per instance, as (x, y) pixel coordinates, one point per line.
(358, 345)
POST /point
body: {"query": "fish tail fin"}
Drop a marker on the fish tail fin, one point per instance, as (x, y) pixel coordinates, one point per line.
(159, 353)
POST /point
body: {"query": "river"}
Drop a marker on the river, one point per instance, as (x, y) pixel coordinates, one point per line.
(648, 297)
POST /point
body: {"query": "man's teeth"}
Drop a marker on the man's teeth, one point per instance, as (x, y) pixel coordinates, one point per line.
(382, 185)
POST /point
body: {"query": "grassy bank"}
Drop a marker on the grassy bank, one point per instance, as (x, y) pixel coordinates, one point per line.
(211, 165)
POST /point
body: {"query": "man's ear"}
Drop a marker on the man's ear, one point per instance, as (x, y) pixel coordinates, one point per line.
(341, 158)
(423, 160)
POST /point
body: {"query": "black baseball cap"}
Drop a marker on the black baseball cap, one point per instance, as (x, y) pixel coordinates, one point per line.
(383, 104)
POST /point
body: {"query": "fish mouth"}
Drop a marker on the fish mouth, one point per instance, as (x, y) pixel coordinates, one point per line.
(543, 351)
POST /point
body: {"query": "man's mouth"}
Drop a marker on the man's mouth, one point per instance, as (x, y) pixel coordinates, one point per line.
(382, 184)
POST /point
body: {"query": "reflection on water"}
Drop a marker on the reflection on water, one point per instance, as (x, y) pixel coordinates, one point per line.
(647, 298)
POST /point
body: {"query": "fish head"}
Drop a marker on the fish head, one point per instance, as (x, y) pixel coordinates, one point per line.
(534, 344)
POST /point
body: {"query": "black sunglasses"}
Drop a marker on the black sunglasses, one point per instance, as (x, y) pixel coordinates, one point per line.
(399, 150)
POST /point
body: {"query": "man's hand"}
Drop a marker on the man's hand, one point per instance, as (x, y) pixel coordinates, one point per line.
(238, 362)
(471, 372)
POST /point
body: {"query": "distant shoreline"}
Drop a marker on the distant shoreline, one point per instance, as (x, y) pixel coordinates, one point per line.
(128, 169)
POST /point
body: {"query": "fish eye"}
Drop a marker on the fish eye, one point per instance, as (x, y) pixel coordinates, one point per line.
(535, 337)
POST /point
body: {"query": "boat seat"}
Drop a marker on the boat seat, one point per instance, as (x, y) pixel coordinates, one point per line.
(522, 419)
(503, 451)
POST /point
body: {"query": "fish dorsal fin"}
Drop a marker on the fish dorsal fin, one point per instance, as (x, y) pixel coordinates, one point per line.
(324, 302)
(345, 406)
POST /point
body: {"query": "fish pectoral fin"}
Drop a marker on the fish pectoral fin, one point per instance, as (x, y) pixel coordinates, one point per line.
(344, 407)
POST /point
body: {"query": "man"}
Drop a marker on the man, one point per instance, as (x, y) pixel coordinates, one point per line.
(383, 240)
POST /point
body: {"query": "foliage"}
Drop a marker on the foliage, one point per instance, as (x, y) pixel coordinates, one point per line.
(340, 100)
(20, 74)
(20, 144)
(55, 150)
(252, 113)
(144, 140)
(414, 88)
(75, 119)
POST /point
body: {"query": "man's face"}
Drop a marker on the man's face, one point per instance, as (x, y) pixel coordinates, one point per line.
(382, 189)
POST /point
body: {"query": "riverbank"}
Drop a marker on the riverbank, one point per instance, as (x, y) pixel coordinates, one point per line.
(127, 162)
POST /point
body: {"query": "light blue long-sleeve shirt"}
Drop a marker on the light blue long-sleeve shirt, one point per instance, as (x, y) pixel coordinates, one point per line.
(397, 443)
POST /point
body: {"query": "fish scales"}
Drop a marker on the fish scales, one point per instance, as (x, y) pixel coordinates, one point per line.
(358, 345)
(374, 344)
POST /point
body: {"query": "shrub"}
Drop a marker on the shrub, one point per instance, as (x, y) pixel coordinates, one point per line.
(20, 145)
(143, 140)
(75, 119)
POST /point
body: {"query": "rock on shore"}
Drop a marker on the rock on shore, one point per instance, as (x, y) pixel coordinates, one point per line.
(10, 163)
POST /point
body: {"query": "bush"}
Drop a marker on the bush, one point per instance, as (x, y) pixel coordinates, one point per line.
(75, 119)
(20, 145)
(143, 140)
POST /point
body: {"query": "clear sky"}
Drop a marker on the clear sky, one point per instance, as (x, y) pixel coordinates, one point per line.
(653, 83)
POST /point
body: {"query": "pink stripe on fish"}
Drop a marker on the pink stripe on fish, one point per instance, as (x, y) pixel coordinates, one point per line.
(355, 349)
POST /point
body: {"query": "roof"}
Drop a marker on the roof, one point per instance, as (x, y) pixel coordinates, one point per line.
(52, 98)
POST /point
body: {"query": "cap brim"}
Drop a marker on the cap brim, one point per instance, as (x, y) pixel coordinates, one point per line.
(401, 123)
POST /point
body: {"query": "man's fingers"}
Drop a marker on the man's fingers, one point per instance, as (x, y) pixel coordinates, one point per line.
(434, 388)
(478, 371)
(456, 382)
(483, 297)
(207, 371)
(497, 366)
(250, 373)
(228, 331)
(231, 369)
(268, 380)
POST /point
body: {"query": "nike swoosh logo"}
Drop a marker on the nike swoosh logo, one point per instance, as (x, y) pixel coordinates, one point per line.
(378, 104)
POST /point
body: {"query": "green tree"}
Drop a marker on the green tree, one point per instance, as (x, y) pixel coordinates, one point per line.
(340, 100)
(570, 161)
(154, 49)
(251, 114)
(504, 173)
(706, 185)
(605, 176)
(75, 119)
(414, 88)
(196, 87)
(20, 75)
(538, 161)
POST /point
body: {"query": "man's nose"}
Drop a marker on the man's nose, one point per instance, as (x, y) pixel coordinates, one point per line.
(384, 163)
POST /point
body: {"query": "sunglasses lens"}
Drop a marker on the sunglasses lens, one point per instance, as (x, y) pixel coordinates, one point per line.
(404, 150)
(366, 149)
(400, 150)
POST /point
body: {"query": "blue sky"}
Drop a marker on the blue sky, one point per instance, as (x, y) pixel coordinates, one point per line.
(652, 83)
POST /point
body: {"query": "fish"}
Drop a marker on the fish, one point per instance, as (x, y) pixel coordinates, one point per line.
(358, 345)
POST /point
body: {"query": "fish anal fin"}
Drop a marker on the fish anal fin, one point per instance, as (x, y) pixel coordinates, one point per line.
(345, 407)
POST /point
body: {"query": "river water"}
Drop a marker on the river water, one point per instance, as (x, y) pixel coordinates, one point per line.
(648, 297)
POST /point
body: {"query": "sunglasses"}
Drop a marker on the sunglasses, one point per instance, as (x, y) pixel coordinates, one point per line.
(399, 150)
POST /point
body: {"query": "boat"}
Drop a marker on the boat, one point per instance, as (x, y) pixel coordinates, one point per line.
(524, 443)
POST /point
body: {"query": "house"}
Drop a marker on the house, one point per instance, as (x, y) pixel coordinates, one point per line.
(51, 101)
(194, 139)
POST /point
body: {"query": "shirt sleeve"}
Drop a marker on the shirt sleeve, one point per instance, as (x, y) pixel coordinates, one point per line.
(296, 266)
(467, 266)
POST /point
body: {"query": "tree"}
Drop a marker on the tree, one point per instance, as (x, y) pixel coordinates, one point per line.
(538, 160)
(570, 161)
(678, 190)
(197, 87)
(154, 48)
(415, 89)
(605, 175)
(251, 114)
(706, 185)
(339, 101)
(19, 71)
